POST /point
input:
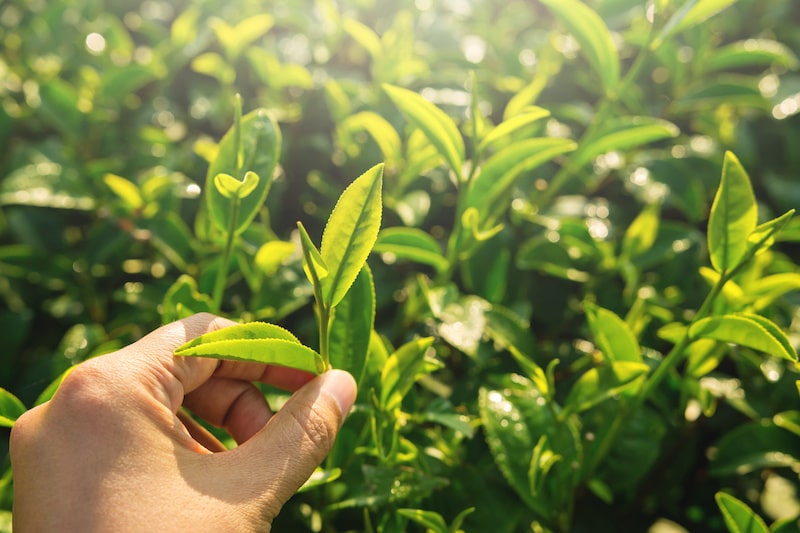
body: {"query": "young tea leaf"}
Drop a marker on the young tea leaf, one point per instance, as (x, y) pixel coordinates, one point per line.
(261, 140)
(612, 335)
(623, 133)
(733, 216)
(313, 264)
(642, 233)
(256, 342)
(183, 299)
(530, 115)
(739, 518)
(350, 233)
(439, 128)
(745, 329)
(591, 32)
(402, 370)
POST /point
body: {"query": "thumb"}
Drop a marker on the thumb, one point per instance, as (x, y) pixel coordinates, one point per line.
(298, 437)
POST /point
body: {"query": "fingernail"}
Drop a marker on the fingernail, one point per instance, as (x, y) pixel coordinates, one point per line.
(342, 388)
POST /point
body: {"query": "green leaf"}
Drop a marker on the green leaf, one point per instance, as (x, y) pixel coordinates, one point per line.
(411, 244)
(745, 329)
(641, 234)
(500, 172)
(733, 217)
(402, 370)
(363, 35)
(622, 133)
(378, 127)
(591, 32)
(313, 264)
(515, 417)
(11, 408)
(351, 327)
(513, 124)
(126, 190)
(232, 188)
(350, 233)
(439, 128)
(755, 446)
(728, 91)
(692, 13)
(216, 66)
(751, 53)
(256, 342)
(764, 235)
(183, 299)
(272, 254)
(431, 520)
(320, 477)
(612, 335)
(234, 39)
(599, 384)
(739, 518)
(261, 140)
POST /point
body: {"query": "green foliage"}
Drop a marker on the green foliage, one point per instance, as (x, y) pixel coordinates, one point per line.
(568, 305)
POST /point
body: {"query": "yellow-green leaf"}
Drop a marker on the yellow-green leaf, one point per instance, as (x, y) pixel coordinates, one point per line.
(612, 335)
(350, 233)
(599, 384)
(412, 244)
(591, 32)
(739, 517)
(746, 329)
(125, 189)
(513, 124)
(733, 216)
(439, 128)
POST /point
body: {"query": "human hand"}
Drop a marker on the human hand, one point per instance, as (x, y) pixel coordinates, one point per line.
(113, 452)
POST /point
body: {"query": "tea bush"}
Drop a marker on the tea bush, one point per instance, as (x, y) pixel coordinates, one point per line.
(569, 294)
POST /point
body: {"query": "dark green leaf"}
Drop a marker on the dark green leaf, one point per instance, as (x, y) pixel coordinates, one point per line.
(755, 446)
(607, 381)
(351, 327)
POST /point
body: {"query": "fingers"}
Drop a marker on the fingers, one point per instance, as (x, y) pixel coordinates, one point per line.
(295, 440)
(237, 406)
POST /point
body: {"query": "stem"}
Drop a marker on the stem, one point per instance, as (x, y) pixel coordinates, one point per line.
(222, 273)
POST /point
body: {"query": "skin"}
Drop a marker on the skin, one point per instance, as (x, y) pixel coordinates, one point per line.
(114, 450)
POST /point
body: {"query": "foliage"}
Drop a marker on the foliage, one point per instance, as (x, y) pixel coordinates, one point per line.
(566, 279)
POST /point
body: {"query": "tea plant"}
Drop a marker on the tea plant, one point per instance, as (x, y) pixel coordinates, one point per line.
(566, 284)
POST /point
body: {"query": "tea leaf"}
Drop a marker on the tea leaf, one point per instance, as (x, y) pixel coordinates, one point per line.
(692, 13)
(749, 53)
(255, 342)
(764, 235)
(231, 188)
(272, 254)
(755, 446)
(350, 233)
(733, 216)
(591, 32)
(378, 127)
(600, 384)
(412, 244)
(320, 477)
(498, 174)
(402, 370)
(515, 417)
(739, 518)
(351, 327)
(642, 233)
(126, 190)
(729, 90)
(745, 329)
(313, 264)
(183, 299)
(11, 408)
(234, 39)
(261, 141)
(431, 520)
(439, 128)
(623, 133)
(612, 335)
(513, 124)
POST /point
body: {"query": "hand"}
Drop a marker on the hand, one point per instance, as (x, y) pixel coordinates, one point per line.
(113, 451)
